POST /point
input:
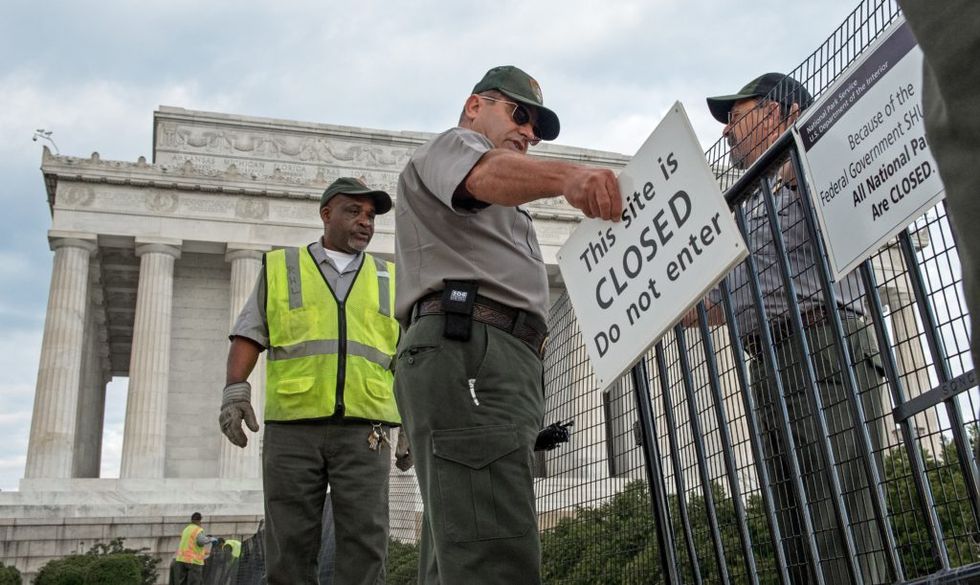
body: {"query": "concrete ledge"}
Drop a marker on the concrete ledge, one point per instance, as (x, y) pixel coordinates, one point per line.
(46, 532)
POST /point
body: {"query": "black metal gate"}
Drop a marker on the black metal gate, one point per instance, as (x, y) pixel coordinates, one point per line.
(785, 443)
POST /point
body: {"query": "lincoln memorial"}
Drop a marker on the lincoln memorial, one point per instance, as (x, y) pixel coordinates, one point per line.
(151, 263)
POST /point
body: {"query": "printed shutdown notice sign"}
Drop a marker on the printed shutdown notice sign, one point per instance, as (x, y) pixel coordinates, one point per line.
(630, 281)
(865, 152)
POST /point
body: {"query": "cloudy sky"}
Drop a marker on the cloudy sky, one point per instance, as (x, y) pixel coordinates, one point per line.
(94, 73)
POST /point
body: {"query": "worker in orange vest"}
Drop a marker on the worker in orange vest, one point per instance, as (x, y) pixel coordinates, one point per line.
(189, 561)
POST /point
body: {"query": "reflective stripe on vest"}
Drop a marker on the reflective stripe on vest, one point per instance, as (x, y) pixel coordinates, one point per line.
(189, 551)
(325, 357)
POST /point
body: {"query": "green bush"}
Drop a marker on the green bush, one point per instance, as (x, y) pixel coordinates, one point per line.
(616, 543)
(123, 569)
(9, 575)
(952, 506)
(70, 570)
(402, 564)
(103, 564)
(147, 563)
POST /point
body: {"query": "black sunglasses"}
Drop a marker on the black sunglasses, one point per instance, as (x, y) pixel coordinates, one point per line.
(520, 115)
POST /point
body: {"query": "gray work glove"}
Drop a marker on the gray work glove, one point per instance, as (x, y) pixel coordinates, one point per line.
(236, 406)
(403, 452)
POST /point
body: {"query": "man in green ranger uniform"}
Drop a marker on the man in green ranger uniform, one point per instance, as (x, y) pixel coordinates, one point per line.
(473, 295)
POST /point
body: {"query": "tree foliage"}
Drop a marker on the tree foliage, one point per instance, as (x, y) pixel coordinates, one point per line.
(9, 575)
(615, 543)
(402, 563)
(104, 564)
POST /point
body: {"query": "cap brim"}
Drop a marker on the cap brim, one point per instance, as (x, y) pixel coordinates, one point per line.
(382, 201)
(721, 105)
(548, 122)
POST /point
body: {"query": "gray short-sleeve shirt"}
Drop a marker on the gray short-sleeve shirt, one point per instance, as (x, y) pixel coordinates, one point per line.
(494, 245)
(802, 262)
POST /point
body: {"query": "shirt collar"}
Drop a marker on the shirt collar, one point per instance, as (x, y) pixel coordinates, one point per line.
(319, 254)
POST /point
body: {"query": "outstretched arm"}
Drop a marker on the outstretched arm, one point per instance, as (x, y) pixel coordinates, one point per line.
(502, 177)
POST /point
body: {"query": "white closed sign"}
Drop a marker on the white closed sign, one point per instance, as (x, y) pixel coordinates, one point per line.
(630, 281)
(865, 152)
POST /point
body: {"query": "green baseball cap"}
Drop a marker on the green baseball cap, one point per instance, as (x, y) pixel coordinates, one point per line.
(777, 87)
(517, 85)
(352, 186)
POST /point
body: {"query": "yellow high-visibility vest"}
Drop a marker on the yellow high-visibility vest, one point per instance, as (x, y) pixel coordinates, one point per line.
(235, 546)
(189, 551)
(328, 358)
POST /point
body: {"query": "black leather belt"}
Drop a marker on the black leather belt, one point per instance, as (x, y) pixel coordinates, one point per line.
(782, 329)
(527, 327)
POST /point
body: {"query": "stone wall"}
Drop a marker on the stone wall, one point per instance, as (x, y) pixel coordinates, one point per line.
(29, 543)
(199, 348)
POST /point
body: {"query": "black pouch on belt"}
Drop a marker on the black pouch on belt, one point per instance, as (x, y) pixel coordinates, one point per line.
(457, 303)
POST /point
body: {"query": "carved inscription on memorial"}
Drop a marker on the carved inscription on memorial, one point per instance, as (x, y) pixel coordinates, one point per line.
(209, 206)
(294, 211)
(121, 201)
(76, 196)
(252, 208)
(161, 201)
(285, 157)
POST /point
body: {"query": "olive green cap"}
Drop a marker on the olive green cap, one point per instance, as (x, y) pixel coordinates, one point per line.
(517, 85)
(777, 87)
(352, 186)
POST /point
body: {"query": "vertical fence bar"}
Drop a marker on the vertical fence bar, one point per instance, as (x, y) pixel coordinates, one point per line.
(853, 397)
(909, 439)
(963, 450)
(655, 473)
(754, 435)
(809, 376)
(675, 453)
(698, 438)
(772, 366)
(726, 444)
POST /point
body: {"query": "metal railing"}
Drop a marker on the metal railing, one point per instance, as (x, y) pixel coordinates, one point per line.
(826, 446)
(780, 442)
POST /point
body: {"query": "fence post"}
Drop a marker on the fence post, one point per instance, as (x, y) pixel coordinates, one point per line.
(655, 474)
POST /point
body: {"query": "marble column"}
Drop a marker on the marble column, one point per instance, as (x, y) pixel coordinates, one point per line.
(92, 387)
(50, 450)
(144, 438)
(912, 365)
(235, 462)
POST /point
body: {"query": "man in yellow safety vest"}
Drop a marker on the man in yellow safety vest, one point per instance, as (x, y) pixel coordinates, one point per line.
(189, 561)
(325, 313)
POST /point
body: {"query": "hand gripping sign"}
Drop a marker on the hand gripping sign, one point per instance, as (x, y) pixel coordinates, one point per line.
(630, 281)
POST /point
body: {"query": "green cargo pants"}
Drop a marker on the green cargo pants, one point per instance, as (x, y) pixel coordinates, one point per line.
(298, 462)
(854, 482)
(472, 411)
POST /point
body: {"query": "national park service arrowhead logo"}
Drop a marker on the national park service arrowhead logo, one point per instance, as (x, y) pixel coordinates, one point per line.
(535, 89)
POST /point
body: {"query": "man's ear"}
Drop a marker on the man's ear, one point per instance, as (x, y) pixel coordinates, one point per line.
(325, 213)
(472, 107)
(792, 116)
(794, 113)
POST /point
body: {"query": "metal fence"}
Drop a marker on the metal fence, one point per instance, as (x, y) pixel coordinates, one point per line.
(780, 442)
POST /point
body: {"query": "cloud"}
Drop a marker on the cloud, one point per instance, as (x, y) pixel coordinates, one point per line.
(112, 117)
(94, 75)
(18, 362)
